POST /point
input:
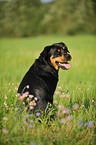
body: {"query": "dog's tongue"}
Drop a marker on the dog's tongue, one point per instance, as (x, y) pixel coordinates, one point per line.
(65, 65)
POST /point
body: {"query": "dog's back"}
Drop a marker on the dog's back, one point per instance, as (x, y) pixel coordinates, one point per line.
(40, 81)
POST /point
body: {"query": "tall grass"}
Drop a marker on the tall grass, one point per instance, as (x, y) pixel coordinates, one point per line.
(74, 98)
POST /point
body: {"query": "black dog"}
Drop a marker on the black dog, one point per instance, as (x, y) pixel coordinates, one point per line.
(40, 81)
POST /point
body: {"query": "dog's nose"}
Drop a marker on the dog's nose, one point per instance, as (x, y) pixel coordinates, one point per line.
(68, 56)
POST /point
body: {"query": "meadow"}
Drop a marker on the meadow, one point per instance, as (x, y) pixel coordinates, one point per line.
(74, 98)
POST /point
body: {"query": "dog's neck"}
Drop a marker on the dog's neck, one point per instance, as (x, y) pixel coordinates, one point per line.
(51, 68)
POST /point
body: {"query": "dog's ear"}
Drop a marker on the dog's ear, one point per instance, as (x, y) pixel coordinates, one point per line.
(44, 53)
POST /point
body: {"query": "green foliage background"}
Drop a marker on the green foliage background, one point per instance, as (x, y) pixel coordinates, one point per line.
(22, 18)
(16, 56)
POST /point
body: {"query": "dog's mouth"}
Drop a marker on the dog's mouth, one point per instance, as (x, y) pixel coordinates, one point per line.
(64, 65)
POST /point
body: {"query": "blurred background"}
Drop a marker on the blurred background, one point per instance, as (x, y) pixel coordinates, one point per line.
(24, 18)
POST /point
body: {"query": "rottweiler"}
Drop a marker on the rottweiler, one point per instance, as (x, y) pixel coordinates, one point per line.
(39, 83)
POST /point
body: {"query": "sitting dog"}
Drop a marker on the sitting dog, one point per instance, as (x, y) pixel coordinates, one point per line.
(38, 85)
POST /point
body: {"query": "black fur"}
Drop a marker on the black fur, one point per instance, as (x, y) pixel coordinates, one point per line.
(42, 78)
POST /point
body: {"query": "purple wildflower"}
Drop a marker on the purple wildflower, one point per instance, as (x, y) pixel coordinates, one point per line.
(85, 124)
(30, 126)
(24, 122)
(31, 121)
(90, 124)
(30, 115)
(32, 143)
(37, 114)
(26, 116)
(80, 119)
(81, 125)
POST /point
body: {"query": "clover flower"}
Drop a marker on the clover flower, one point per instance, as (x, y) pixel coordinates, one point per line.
(9, 90)
(18, 95)
(21, 98)
(18, 84)
(57, 92)
(5, 118)
(5, 104)
(63, 96)
(6, 97)
(31, 96)
(64, 120)
(5, 130)
(35, 98)
(75, 106)
(69, 118)
(31, 107)
(28, 99)
(66, 111)
(55, 102)
(15, 109)
(27, 86)
(59, 88)
(25, 94)
(60, 107)
(93, 101)
(16, 88)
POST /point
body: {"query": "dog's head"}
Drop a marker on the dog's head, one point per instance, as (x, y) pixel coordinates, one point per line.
(57, 55)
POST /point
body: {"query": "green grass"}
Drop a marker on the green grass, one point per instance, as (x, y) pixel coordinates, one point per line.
(16, 56)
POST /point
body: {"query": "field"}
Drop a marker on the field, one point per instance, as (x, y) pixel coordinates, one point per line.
(74, 98)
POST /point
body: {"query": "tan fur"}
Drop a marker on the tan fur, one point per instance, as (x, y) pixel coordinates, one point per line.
(59, 59)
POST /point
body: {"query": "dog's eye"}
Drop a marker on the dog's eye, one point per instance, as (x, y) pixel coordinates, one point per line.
(58, 50)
